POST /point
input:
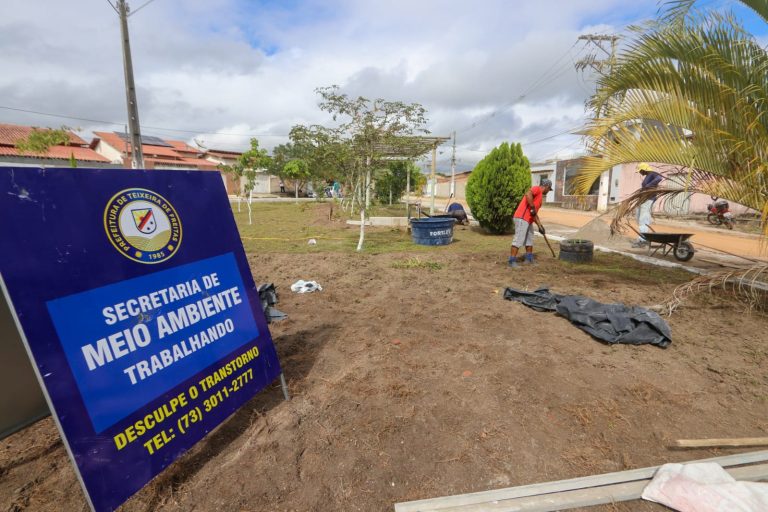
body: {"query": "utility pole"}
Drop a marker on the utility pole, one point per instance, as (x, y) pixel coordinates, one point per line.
(600, 65)
(453, 167)
(137, 153)
(592, 60)
(433, 179)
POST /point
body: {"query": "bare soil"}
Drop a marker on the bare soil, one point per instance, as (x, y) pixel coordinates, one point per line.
(410, 381)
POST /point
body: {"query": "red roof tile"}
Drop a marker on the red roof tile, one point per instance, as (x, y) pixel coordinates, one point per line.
(185, 163)
(12, 133)
(224, 153)
(180, 145)
(57, 153)
(179, 152)
(113, 140)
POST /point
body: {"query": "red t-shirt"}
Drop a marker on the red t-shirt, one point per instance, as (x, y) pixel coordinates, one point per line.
(524, 209)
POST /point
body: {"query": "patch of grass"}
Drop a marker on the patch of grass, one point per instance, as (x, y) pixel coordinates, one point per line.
(393, 210)
(417, 262)
(286, 227)
(624, 269)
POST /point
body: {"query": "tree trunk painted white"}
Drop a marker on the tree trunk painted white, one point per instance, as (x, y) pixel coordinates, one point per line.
(367, 182)
(368, 186)
(239, 200)
(362, 230)
(297, 189)
(355, 196)
(250, 220)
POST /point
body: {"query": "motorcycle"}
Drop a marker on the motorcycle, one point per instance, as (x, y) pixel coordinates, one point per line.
(719, 213)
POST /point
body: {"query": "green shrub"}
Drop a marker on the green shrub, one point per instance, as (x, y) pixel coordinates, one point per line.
(496, 186)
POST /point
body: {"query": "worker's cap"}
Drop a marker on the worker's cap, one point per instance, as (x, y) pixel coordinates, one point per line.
(545, 183)
(642, 166)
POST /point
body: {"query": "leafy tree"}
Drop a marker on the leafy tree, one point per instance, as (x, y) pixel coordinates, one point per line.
(39, 141)
(391, 182)
(246, 167)
(296, 170)
(369, 132)
(497, 185)
(418, 182)
(307, 146)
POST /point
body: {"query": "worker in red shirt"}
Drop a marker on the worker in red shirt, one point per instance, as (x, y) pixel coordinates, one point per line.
(526, 214)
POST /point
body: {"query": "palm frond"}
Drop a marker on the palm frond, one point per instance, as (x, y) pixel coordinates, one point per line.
(749, 285)
(692, 96)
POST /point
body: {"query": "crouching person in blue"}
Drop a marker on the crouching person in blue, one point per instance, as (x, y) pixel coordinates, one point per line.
(456, 210)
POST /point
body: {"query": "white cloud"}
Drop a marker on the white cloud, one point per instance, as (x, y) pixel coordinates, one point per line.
(492, 70)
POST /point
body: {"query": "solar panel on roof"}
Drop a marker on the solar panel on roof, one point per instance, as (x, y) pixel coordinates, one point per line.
(146, 140)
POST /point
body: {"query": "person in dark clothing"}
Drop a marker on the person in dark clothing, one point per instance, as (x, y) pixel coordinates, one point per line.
(456, 210)
(651, 179)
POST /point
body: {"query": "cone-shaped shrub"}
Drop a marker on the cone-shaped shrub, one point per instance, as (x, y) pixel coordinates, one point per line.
(497, 185)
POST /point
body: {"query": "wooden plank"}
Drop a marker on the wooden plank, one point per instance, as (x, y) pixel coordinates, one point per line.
(721, 442)
(447, 502)
(591, 496)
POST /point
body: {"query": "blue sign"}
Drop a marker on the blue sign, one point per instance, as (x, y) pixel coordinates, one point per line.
(139, 310)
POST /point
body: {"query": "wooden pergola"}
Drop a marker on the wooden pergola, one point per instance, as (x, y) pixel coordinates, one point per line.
(410, 148)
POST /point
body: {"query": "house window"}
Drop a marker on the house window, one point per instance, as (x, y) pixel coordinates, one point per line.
(569, 184)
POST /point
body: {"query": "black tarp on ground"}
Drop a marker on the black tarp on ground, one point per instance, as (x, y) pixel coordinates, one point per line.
(612, 323)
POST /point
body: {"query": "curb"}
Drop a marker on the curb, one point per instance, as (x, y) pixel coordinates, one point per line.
(638, 257)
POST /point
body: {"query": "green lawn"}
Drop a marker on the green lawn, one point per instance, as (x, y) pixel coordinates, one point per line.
(287, 228)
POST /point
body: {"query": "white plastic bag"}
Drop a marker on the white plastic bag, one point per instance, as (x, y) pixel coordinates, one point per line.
(302, 286)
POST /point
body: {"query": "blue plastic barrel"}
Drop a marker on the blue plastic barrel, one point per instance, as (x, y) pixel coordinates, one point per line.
(432, 230)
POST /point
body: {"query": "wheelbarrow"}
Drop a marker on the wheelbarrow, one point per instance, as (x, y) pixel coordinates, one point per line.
(676, 243)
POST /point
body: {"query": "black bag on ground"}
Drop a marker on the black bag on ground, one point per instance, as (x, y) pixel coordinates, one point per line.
(612, 323)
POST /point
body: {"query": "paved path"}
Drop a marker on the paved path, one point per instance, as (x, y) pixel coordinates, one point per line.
(705, 236)
(741, 244)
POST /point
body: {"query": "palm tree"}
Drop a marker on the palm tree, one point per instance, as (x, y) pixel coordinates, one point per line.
(691, 91)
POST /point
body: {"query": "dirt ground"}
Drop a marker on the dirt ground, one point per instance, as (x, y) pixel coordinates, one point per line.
(413, 378)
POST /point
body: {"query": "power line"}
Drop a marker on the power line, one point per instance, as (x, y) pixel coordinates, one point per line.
(566, 132)
(101, 121)
(546, 78)
(553, 154)
(591, 60)
(523, 94)
(531, 142)
(140, 8)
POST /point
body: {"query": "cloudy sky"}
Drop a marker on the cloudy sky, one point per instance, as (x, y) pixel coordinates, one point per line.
(222, 71)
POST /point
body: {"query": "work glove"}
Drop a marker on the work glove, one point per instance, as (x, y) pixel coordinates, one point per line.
(533, 211)
(542, 230)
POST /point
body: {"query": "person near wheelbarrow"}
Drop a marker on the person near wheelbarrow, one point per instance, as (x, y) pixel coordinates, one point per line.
(526, 214)
(651, 179)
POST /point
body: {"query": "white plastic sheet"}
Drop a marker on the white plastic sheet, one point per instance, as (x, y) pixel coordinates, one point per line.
(704, 487)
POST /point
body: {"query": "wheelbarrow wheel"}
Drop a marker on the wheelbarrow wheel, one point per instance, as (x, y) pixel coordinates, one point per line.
(683, 251)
